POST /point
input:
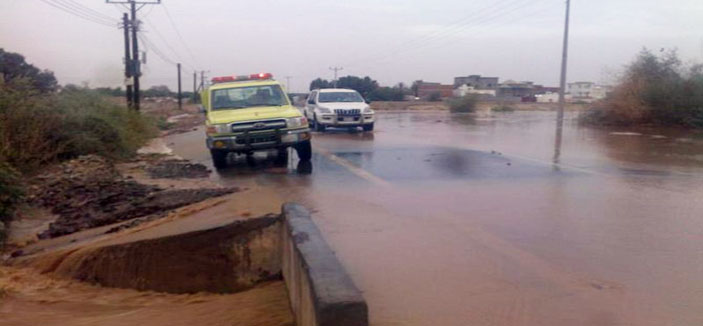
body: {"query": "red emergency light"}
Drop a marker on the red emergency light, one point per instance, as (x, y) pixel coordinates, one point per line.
(227, 79)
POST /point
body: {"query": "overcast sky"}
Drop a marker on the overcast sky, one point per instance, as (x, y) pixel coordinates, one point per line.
(390, 40)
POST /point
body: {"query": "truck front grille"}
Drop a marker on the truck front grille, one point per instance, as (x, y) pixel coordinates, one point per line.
(257, 138)
(259, 125)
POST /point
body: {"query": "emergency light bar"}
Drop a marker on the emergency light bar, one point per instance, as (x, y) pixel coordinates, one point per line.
(227, 79)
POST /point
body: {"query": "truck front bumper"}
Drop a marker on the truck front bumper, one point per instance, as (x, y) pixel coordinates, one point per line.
(258, 140)
(333, 120)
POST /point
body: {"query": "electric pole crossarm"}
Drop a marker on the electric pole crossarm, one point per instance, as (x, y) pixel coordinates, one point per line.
(335, 69)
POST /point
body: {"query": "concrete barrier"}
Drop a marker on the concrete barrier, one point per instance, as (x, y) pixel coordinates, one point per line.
(321, 293)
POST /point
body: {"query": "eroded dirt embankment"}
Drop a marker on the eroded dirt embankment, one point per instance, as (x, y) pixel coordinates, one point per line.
(220, 259)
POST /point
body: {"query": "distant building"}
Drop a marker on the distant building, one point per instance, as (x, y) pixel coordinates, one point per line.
(551, 97)
(465, 89)
(511, 88)
(425, 89)
(477, 82)
(588, 91)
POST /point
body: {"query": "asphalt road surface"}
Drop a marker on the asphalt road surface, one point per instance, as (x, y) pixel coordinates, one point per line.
(453, 220)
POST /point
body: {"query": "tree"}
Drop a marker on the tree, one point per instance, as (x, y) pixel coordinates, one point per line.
(13, 66)
(654, 89)
(365, 85)
(320, 83)
(387, 94)
(416, 87)
(159, 91)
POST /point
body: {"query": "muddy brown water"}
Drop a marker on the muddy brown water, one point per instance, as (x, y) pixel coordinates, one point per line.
(457, 219)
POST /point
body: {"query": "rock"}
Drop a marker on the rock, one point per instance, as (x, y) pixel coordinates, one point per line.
(177, 169)
(89, 192)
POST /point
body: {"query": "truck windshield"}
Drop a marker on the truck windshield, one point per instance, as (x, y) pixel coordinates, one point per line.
(340, 97)
(245, 97)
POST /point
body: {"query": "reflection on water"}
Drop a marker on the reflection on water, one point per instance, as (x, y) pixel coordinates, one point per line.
(268, 162)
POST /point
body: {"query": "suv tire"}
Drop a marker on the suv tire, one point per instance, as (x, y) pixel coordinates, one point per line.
(318, 126)
(368, 127)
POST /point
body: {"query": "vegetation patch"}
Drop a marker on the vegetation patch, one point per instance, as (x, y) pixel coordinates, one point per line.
(503, 108)
(465, 104)
(654, 90)
(40, 125)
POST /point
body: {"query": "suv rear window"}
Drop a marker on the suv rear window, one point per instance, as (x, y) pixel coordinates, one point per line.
(339, 97)
(245, 97)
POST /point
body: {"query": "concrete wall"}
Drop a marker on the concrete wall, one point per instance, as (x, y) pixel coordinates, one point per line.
(321, 293)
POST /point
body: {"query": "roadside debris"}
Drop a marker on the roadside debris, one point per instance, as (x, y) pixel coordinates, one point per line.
(177, 169)
(89, 192)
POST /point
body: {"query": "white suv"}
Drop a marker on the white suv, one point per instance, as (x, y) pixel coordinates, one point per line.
(338, 107)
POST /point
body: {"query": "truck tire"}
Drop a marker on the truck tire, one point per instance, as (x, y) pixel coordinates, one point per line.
(219, 158)
(304, 150)
(368, 127)
(318, 126)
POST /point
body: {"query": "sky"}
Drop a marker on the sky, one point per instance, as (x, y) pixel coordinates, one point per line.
(389, 40)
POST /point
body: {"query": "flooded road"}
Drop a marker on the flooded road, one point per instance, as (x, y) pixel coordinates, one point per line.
(457, 220)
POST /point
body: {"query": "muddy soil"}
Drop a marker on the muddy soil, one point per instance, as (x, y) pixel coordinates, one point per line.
(177, 169)
(28, 298)
(89, 192)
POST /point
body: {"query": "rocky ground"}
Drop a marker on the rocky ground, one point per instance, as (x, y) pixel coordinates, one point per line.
(89, 192)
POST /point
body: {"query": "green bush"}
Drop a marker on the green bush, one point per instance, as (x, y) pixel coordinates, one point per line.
(463, 104)
(654, 90)
(36, 129)
(10, 192)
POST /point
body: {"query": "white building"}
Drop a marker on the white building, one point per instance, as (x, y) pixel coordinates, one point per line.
(588, 91)
(464, 90)
(551, 97)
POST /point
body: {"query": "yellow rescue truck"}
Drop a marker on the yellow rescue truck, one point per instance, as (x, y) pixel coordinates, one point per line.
(251, 113)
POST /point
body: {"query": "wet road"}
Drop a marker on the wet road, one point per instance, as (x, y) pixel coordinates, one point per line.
(458, 220)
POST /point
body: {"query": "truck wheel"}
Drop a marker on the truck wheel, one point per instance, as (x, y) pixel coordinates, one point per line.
(319, 127)
(219, 158)
(304, 150)
(368, 127)
(281, 157)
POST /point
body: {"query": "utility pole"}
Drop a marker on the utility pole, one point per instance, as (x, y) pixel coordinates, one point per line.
(202, 79)
(135, 55)
(180, 101)
(195, 87)
(134, 62)
(562, 86)
(288, 83)
(334, 82)
(127, 60)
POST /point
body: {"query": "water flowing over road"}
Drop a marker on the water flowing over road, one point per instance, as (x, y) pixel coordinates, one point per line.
(460, 220)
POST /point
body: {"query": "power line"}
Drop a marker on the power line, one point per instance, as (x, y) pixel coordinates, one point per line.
(79, 14)
(452, 26)
(163, 39)
(88, 11)
(447, 33)
(180, 36)
(151, 46)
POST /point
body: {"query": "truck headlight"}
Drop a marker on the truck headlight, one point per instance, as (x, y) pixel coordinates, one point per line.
(367, 110)
(297, 122)
(221, 128)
